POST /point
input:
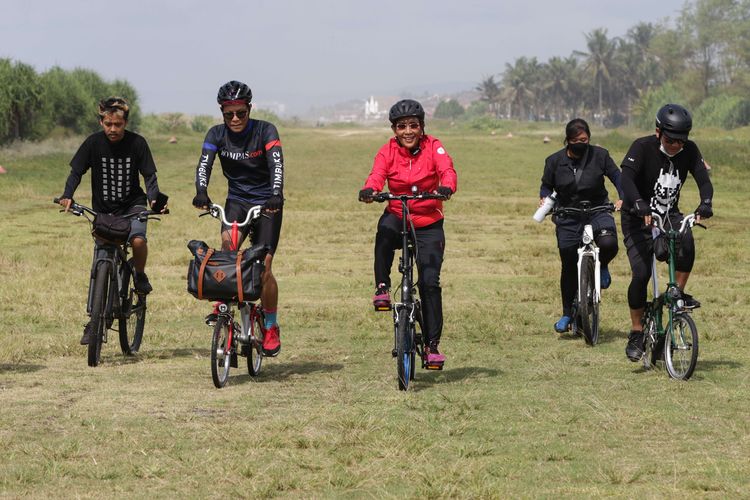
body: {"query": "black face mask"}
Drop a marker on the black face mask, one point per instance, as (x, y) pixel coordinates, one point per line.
(578, 149)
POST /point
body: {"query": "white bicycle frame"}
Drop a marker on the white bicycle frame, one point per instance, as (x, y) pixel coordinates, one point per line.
(589, 247)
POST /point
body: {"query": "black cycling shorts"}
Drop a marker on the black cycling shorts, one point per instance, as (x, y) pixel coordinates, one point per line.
(266, 229)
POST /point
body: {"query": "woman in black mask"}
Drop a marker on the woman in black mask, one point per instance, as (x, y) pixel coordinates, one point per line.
(576, 174)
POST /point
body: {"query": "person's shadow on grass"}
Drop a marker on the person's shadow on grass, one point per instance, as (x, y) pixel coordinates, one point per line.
(272, 372)
(20, 368)
(427, 378)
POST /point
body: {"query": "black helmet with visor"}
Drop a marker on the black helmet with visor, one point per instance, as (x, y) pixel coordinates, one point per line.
(674, 121)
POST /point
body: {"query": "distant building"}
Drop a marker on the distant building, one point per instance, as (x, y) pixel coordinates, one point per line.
(372, 111)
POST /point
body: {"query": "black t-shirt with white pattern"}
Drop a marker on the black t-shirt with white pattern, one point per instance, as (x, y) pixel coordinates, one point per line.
(115, 186)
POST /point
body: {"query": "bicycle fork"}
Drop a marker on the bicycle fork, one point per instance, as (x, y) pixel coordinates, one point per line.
(589, 248)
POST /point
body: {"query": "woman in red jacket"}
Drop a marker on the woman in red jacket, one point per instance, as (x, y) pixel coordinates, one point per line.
(412, 158)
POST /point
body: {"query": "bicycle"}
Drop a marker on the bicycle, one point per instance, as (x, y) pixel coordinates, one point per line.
(227, 333)
(681, 357)
(407, 313)
(112, 294)
(585, 312)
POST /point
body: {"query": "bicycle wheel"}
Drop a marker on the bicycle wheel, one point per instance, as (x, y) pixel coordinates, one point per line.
(404, 349)
(255, 348)
(98, 321)
(588, 307)
(221, 355)
(132, 316)
(681, 347)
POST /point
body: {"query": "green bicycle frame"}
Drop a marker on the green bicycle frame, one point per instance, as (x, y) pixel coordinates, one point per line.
(669, 298)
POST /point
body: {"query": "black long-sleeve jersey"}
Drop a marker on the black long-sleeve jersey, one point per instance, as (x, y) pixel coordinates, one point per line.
(649, 174)
(252, 161)
(115, 186)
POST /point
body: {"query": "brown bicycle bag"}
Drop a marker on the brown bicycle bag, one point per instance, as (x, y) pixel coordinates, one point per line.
(225, 275)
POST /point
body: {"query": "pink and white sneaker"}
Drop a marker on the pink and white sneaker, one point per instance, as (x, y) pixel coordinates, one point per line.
(434, 360)
(382, 299)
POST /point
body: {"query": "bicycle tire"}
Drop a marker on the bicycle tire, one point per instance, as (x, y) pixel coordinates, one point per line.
(132, 316)
(98, 322)
(404, 349)
(221, 351)
(255, 348)
(588, 308)
(419, 343)
(681, 347)
(650, 342)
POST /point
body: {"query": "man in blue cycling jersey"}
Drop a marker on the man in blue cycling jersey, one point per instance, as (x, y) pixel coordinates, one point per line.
(251, 159)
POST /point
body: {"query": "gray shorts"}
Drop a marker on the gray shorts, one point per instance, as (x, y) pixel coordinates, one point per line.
(137, 228)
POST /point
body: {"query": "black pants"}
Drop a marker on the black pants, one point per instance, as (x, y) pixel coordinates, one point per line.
(639, 243)
(606, 240)
(430, 250)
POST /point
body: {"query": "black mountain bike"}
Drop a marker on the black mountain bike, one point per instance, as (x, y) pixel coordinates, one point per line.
(407, 313)
(111, 292)
(586, 303)
(673, 336)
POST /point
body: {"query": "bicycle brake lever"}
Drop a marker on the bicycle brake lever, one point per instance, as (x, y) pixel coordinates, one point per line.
(700, 225)
(204, 214)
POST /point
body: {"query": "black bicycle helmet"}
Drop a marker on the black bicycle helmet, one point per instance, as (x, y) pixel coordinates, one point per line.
(404, 108)
(234, 91)
(675, 121)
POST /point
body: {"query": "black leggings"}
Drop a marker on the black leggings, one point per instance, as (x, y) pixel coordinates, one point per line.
(639, 243)
(431, 247)
(606, 240)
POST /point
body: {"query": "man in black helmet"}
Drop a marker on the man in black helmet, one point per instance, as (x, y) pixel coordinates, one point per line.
(653, 172)
(251, 159)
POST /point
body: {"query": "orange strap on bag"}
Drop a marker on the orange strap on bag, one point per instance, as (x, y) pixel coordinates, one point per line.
(203, 270)
(240, 295)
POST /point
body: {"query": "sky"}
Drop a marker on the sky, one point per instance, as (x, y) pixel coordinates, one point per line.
(304, 53)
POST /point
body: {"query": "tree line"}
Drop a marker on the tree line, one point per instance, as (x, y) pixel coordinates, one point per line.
(33, 104)
(701, 61)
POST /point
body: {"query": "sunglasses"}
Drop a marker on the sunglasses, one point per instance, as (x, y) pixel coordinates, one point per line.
(671, 141)
(410, 125)
(229, 115)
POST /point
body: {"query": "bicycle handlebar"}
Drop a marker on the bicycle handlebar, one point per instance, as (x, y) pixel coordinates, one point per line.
(77, 209)
(217, 212)
(688, 221)
(386, 196)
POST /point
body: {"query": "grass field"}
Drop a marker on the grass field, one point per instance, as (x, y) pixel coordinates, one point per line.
(518, 411)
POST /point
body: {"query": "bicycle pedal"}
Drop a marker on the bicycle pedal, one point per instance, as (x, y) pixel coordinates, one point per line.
(394, 353)
(233, 360)
(382, 308)
(434, 366)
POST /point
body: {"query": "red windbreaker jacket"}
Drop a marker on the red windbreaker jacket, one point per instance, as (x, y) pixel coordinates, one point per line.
(428, 169)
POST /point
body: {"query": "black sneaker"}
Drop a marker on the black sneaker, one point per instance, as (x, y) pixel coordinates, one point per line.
(634, 349)
(690, 302)
(86, 334)
(142, 285)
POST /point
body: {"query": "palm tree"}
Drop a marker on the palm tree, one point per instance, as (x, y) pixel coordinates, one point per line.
(520, 81)
(599, 62)
(490, 92)
(559, 85)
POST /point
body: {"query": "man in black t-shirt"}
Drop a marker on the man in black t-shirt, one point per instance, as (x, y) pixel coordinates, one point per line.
(252, 161)
(116, 157)
(653, 172)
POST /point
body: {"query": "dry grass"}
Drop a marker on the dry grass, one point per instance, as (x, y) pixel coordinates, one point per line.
(517, 412)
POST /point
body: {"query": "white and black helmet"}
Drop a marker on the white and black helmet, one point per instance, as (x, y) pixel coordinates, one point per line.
(234, 91)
